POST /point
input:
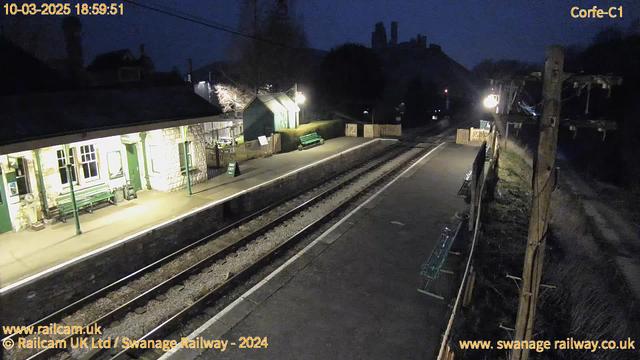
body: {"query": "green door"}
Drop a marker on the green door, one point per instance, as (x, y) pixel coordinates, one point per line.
(134, 169)
(5, 219)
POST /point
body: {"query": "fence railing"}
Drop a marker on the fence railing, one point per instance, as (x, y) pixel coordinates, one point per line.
(478, 200)
(221, 157)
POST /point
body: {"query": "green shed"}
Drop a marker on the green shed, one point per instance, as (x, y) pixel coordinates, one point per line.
(269, 113)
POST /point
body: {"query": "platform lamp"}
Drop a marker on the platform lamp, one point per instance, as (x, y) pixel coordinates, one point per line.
(69, 168)
(183, 130)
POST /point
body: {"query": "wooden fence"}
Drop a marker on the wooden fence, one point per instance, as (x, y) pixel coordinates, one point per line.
(479, 135)
(351, 130)
(377, 130)
(479, 186)
(462, 136)
(219, 158)
(371, 131)
(390, 130)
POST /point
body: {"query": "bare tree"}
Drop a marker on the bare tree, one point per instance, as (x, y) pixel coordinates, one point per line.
(276, 54)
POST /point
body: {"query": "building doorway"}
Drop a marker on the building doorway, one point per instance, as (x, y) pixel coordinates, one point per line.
(134, 168)
(5, 218)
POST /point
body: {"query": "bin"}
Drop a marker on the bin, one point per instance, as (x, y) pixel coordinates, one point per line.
(119, 196)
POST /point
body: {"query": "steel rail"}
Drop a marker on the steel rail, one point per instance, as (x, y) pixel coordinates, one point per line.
(195, 308)
(164, 286)
(76, 305)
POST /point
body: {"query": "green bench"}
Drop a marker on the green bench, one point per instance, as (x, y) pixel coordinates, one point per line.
(85, 198)
(310, 140)
(431, 270)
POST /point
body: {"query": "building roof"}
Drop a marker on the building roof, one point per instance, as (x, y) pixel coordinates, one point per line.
(47, 115)
(113, 60)
(21, 72)
(277, 102)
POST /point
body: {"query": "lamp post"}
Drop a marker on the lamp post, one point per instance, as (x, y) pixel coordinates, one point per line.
(299, 99)
(446, 95)
(184, 129)
(73, 195)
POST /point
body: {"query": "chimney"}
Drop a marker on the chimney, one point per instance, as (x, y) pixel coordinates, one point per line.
(71, 27)
(190, 76)
(143, 52)
(394, 33)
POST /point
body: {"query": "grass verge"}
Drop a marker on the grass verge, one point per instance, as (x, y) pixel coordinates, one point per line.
(327, 129)
(591, 300)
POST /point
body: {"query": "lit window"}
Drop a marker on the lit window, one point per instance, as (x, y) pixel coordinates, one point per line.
(62, 166)
(22, 176)
(181, 154)
(114, 163)
(89, 162)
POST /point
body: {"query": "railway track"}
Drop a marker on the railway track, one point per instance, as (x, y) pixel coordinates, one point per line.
(295, 206)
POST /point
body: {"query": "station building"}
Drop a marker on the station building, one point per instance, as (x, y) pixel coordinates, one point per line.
(114, 137)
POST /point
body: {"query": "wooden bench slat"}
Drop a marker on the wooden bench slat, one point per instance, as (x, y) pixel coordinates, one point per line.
(310, 139)
(84, 197)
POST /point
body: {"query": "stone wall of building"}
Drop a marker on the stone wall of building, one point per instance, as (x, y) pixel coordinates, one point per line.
(164, 158)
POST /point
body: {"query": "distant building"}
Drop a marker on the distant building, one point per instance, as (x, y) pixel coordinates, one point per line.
(379, 37)
(121, 67)
(427, 67)
(394, 33)
(269, 113)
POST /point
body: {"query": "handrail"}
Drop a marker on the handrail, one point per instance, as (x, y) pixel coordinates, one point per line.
(456, 305)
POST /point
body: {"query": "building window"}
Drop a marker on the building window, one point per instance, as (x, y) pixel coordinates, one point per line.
(114, 163)
(129, 74)
(62, 166)
(89, 162)
(155, 158)
(181, 154)
(22, 176)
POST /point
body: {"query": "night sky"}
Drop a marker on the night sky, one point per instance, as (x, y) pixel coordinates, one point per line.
(468, 31)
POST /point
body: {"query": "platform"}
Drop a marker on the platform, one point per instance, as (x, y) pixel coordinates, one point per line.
(28, 253)
(352, 293)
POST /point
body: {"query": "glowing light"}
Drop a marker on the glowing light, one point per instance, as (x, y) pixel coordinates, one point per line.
(446, 91)
(491, 101)
(300, 98)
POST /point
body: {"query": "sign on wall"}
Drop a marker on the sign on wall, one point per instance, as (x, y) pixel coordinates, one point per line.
(13, 188)
(263, 140)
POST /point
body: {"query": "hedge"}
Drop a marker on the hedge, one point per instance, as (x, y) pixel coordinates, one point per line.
(327, 129)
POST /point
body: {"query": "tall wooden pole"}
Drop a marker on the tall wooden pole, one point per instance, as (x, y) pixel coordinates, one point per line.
(542, 185)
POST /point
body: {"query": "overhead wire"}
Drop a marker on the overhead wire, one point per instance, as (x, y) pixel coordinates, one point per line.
(207, 23)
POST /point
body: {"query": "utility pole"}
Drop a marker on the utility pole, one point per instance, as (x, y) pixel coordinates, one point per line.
(543, 172)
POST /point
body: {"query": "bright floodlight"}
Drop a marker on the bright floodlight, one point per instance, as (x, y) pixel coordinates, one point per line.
(491, 101)
(300, 98)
